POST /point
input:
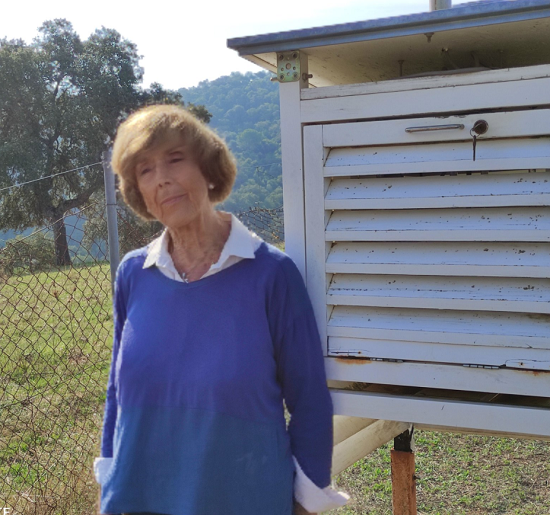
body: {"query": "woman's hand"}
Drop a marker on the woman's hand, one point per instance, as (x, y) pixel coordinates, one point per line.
(300, 510)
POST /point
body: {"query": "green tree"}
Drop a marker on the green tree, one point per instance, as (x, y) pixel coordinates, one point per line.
(61, 100)
(245, 110)
(133, 232)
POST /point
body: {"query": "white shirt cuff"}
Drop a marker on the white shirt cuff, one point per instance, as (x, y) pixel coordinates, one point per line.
(313, 498)
(102, 467)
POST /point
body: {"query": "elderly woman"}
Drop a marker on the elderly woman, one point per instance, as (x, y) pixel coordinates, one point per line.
(213, 330)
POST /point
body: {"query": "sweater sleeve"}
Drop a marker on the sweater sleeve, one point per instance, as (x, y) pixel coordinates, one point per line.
(301, 373)
(110, 414)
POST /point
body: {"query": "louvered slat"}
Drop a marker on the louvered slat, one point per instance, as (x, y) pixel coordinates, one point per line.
(440, 258)
(475, 224)
(435, 353)
(488, 190)
(428, 255)
(532, 153)
(457, 293)
(442, 326)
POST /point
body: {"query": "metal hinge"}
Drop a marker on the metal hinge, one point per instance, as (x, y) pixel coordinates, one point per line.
(490, 367)
(350, 353)
(359, 354)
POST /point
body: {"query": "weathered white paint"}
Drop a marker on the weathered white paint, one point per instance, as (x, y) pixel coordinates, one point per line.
(293, 179)
(370, 312)
(419, 254)
(434, 375)
(364, 442)
(512, 124)
(436, 167)
(432, 83)
(419, 352)
(315, 227)
(530, 364)
(522, 330)
(458, 414)
(458, 293)
(491, 224)
(493, 259)
(344, 427)
(476, 190)
(528, 153)
(423, 102)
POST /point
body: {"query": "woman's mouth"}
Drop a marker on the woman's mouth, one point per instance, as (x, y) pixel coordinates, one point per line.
(172, 199)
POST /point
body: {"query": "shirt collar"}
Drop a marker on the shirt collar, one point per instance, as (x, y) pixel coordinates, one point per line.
(240, 243)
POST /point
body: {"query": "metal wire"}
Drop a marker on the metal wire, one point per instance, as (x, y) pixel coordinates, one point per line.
(56, 338)
(49, 176)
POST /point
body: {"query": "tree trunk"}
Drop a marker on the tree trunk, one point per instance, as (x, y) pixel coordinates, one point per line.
(62, 256)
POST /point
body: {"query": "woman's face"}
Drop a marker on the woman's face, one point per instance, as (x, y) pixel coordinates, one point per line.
(173, 188)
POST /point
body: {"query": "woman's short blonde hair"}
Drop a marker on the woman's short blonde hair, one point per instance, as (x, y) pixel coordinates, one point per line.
(147, 127)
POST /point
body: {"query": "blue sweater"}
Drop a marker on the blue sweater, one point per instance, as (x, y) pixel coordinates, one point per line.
(194, 413)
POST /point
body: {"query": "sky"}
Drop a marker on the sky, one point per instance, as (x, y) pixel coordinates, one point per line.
(183, 43)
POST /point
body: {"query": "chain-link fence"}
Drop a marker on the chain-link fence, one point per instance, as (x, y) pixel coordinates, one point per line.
(55, 342)
(55, 325)
(266, 223)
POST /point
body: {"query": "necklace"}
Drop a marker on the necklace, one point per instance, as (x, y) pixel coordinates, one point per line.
(213, 253)
(184, 274)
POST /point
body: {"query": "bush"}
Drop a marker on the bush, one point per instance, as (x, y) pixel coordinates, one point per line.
(29, 254)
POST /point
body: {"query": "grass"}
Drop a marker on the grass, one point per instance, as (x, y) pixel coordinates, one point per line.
(55, 332)
(457, 475)
(55, 337)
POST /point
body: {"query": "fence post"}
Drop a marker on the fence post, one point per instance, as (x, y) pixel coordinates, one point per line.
(110, 203)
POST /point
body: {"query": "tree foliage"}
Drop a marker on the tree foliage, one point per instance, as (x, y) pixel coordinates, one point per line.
(245, 111)
(61, 100)
(133, 232)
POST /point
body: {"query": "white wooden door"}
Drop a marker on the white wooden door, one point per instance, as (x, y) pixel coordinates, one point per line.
(418, 253)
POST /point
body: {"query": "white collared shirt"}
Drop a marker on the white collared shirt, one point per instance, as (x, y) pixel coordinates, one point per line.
(241, 244)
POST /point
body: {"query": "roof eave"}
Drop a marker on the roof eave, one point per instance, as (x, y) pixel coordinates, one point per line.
(470, 15)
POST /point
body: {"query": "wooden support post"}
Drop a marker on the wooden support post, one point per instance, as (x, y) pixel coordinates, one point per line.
(402, 475)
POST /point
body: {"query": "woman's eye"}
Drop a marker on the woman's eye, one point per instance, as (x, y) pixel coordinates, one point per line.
(143, 171)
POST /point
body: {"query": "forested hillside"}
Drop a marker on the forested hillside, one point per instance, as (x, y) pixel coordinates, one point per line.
(245, 111)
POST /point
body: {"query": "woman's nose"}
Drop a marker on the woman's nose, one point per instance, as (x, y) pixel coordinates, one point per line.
(163, 173)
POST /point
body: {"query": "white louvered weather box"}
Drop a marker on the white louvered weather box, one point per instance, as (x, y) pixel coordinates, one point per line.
(425, 250)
